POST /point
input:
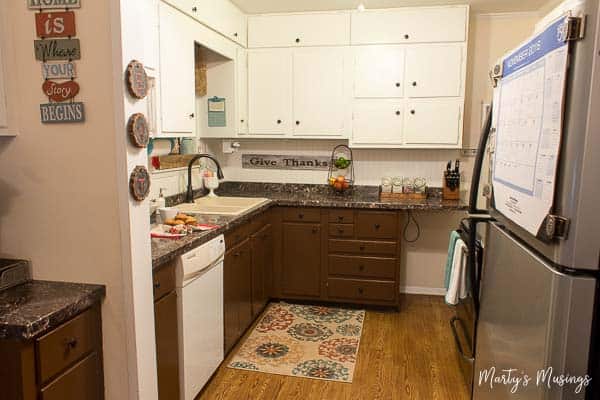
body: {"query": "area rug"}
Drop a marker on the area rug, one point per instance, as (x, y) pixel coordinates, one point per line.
(304, 341)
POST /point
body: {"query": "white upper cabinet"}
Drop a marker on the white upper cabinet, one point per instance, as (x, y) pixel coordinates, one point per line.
(177, 79)
(434, 70)
(378, 122)
(242, 90)
(378, 71)
(219, 15)
(314, 29)
(321, 91)
(433, 122)
(410, 25)
(270, 91)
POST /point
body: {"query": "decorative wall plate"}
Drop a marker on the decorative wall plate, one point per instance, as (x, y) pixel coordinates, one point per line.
(60, 91)
(137, 80)
(139, 183)
(137, 127)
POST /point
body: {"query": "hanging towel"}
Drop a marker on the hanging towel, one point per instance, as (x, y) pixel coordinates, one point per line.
(454, 236)
(457, 284)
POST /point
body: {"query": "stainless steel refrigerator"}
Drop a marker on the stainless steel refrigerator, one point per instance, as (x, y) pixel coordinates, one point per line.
(529, 329)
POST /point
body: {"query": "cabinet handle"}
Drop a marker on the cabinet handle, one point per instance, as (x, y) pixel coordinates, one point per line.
(377, 226)
(360, 290)
(414, 83)
(397, 112)
(406, 36)
(297, 40)
(191, 115)
(315, 230)
(157, 285)
(194, 9)
(278, 121)
(412, 112)
(297, 122)
(397, 84)
(70, 343)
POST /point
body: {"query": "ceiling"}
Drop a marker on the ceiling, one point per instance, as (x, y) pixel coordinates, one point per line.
(478, 6)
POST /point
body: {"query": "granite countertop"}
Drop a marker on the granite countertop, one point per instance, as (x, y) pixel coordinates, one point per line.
(293, 195)
(32, 308)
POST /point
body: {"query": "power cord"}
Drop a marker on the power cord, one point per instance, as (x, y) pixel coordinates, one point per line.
(410, 217)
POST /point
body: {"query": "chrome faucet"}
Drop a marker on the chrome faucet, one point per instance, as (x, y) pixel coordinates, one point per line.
(189, 197)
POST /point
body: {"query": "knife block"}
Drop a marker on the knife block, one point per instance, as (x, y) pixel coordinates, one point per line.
(449, 193)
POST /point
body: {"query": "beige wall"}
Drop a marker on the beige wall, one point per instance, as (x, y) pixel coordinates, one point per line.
(61, 202)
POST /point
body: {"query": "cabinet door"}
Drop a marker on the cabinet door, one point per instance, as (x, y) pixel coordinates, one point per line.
(176, 72)
(410, 25)
(270, 91)
(237, 292)
(315, 29)
(434, 70)
(165, 325)
(378, 71)
(244, 281)
(377, 122)
(320, 94)
(301, 269)
(433, 122)
(262, 259)
(242, 90)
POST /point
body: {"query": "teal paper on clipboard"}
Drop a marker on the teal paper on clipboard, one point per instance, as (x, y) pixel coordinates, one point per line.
(216, 112)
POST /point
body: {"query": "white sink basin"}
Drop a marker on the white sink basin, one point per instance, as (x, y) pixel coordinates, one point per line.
(221, 205)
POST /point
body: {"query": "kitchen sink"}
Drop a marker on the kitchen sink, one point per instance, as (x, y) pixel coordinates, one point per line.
(221, 205)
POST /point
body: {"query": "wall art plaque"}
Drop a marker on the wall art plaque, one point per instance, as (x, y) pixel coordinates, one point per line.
(60, 91)
(57, 49)
(264, 161)
(52, 4)
(137, 79)
(57, 113)
(139, 183)
(59, 70)
(55, 24)
(137, 127)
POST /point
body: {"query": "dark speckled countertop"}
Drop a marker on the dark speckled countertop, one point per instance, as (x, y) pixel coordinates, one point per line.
(292, 195)
(34, 307)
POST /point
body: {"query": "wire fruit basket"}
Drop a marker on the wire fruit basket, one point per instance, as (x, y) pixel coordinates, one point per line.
(341, 169)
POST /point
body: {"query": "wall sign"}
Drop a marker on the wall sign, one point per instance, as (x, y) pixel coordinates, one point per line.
(137, 126)
(55, 113)
(60, 70)
(57, 49)
(60, 91)
(52, 4)
(55, 24)
(262, 161)
(137, 80)
(139, 183)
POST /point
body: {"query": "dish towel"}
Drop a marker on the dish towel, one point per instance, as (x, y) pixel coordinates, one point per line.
(456, 273)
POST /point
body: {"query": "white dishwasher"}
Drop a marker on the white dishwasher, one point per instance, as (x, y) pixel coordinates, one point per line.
(199, 280)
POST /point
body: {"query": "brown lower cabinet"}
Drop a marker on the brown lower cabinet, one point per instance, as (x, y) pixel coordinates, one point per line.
(62, 364)
(262, 264)
(301, 263)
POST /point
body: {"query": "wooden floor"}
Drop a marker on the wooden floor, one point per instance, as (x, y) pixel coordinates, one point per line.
(403, 355)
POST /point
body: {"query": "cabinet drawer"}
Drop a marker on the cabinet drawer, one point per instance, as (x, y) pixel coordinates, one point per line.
(362, 247)
(68, 343)
(355, 289)
(341, 216)
(316, 29)
(83, 381)
(302, 214)
(163, 280)
(368, 267)
(341, 230)
(377, 225)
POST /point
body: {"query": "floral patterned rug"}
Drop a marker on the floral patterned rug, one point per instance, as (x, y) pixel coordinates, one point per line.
(306, 341)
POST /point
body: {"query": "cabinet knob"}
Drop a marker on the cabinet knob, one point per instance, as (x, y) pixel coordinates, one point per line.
(235, 34)
(377, 226)
(412, 112)
(397, 84)
(300, 216)
(157, 285)
(361, 267)
(340, 218)
(340, 230)
(315, 230)
(297, 40)
(70, 343)
(297, 122)
(360, 290)
(397, 112)
(237, 254)
(194, 9)
(278, 121)
(191, 115)
(406, 36)
(414, 83)
(362, 247)
(242, 121)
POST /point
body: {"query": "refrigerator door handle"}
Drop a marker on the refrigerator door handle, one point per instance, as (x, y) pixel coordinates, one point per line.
(453, 321)
(485, 135)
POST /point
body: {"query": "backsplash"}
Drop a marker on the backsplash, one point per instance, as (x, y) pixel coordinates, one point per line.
(369, 165)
